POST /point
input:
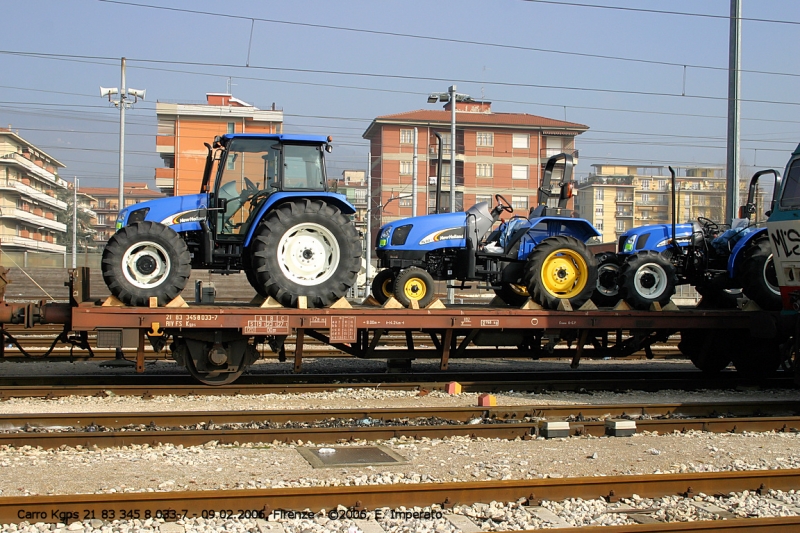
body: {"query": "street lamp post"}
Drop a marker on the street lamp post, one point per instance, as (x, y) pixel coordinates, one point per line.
(452, 97)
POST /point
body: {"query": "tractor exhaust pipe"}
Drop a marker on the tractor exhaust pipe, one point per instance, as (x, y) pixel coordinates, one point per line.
(674, 209)
(439, 174)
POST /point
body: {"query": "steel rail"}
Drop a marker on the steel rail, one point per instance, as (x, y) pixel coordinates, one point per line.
(177, 505)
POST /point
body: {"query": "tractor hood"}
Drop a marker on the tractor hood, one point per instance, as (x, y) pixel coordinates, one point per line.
(653, 237)
(430, 232)
(181, 213)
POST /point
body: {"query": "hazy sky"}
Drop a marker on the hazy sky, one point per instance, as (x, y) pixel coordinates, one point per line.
(333, 66)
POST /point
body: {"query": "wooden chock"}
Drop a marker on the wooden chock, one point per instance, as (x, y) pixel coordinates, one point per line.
(498, 302)
(435, 304)
(530, 305)
(112, 301)
(302, 302)
(655, 306)
(153, 301)
(257, 300)
(391, 303)
(622, 305)
(270, 303)
(371, 301)
(751, 306)
(413, 304)
(588, 306)
(178, 301)
(564, 305)
(341, 303)
(670, 307)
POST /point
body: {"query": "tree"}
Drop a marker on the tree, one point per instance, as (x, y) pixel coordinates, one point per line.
(84, 229)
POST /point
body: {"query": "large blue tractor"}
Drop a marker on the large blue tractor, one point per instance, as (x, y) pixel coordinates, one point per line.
(720, 262)
(542, 255)
(266, 210)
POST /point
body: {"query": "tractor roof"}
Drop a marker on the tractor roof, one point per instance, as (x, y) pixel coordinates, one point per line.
(278, 137)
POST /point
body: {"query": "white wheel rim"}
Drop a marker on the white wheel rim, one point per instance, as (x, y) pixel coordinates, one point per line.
(646, 274)
(603, 289)
(146, 265)
(775, 290)
(308, 254)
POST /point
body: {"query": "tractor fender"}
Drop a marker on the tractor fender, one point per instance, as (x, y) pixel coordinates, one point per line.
(544, 227)
(737, 254)
(337, 200)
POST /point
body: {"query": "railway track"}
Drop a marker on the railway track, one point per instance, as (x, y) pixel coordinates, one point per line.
(337, 425)
(148, 385)
(359, 503)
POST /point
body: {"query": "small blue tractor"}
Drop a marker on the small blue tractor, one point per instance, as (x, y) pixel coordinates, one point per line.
(266, 210)
(720, 263)
(542, 255)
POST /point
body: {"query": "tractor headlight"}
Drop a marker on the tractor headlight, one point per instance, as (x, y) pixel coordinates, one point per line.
(629, 243)
(383, 238)
(400, 235)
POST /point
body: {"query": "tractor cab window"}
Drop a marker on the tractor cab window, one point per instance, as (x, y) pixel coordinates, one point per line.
(248, 175)
(302, 167)
(790, 197)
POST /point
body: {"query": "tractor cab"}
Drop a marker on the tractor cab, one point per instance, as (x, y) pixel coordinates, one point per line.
(783, 227)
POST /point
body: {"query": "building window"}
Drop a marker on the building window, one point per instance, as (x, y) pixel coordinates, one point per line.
(598, 224)
(405, 202)
(406, 136)
(620, 225)
(483, 198)
(598, 211)
(483, 170)
(598, 193)
(519, 172)
(405, 168)
(485, 138)
(646, 185)
(231, 127)
(520, 140)
(662, 185)
(519, 202)
(645, 198)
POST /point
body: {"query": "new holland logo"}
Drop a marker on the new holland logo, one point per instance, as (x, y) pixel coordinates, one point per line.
(444, 235)
(194, 215)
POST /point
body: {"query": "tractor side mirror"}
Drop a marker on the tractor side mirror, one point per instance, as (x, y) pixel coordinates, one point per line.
(222, 204)
(566, 191)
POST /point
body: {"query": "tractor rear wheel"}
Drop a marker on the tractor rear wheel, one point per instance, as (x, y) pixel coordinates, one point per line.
(606, 294)
(715, 298)
(647, 278)
(512, 293)
(306, 248)
(146, 260)
(757, 275)
(560, 268)
(414, 284)
(383, 285)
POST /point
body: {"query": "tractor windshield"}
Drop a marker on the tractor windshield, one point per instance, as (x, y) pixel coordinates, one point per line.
(790, 196)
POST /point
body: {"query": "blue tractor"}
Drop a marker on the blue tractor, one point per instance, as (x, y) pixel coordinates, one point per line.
(542, 255)
(265, 210)
(720, 262)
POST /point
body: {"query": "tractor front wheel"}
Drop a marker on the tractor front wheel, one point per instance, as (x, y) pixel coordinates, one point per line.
(383, 285)
(306, 249)
(560, 268)
(414, 284)
(146, 260)
(647, 278)
(757, 275)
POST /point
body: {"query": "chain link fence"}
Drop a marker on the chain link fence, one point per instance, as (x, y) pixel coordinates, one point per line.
(48, 259)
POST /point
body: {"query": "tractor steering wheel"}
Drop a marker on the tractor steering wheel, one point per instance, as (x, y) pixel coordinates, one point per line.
(709, 226)
(503, 204)
(250, 186)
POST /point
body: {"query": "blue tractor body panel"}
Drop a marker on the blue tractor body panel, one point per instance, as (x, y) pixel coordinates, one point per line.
(426, 233)
(543, 227)
(654, 237)
(181, 213)
(737, 254)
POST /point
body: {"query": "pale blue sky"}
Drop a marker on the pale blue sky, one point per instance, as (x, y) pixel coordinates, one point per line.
(402, 51)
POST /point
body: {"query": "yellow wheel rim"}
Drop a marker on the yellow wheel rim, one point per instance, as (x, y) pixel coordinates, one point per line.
(564, 273)
(415, 289)
(518, 289)
(386, 287)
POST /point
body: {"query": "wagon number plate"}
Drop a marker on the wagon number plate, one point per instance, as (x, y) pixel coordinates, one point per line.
(267, 325)
(343, 329)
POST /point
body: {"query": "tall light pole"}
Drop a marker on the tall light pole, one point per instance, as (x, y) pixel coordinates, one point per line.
(452, 97)
(123, 102)
(75, 224)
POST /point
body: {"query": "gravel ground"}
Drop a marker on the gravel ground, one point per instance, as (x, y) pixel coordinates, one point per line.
(267, 465)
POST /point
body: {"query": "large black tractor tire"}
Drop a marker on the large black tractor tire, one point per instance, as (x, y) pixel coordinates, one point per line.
(383, 285)
(706, 349)
(606, 292)
(305, 248)
(414, 284)
(560, 268)
(512, 293)
(716, 298)
(146, 260)
(757, 275)
(250, 274)
(647, 278)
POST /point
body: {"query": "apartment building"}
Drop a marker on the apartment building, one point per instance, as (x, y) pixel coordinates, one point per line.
(616, 198)
(184, 128)
(354, 186)
(104, 203)
(495, 153)
(30, 189)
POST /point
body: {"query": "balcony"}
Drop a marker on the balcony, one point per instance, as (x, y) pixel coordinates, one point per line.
(547, 153)
(35, 169)
(16, 241)
(39, 196)
(32, 219)
(87, 210)
(624, 199)
(624, 214)
(165, 144)
(433, 150)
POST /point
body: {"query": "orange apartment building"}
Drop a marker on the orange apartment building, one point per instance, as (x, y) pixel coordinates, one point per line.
(496, 153)
(184, 128)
